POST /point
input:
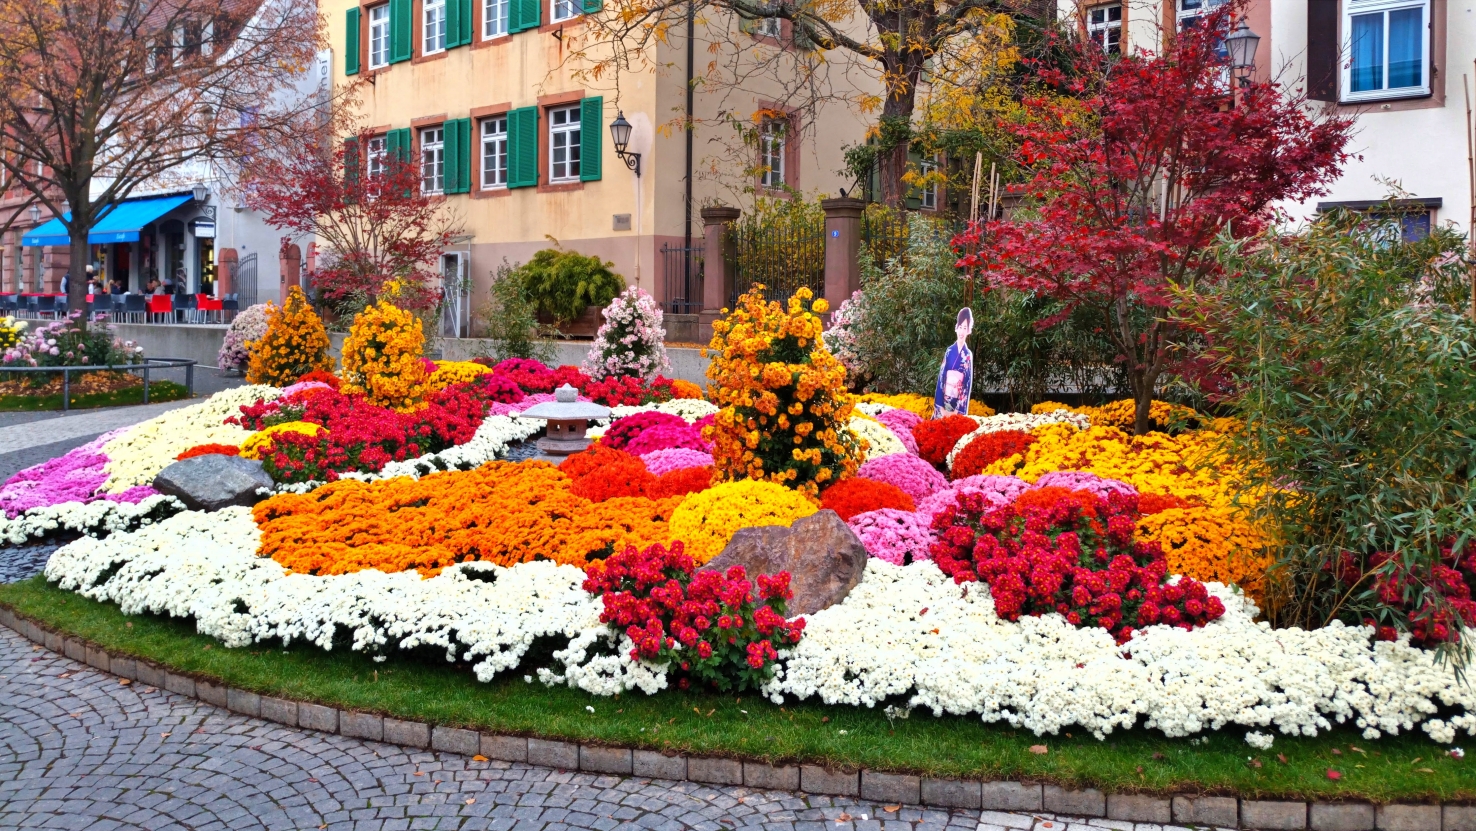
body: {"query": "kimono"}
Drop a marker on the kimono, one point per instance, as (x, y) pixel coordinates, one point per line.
(955, 382)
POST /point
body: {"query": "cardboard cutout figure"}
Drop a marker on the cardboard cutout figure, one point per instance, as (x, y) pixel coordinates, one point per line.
(956, 376)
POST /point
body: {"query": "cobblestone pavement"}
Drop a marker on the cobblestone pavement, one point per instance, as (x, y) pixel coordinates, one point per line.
(17, 564)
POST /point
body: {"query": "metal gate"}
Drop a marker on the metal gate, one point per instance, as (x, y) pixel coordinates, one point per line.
(682, 269)
(243, 281)
(456, 295)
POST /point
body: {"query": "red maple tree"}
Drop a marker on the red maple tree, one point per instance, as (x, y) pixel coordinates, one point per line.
(366, 208)
(1137, 164)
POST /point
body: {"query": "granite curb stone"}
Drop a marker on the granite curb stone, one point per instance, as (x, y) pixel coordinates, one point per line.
(816, 779)
(550, 754)
(1086, 802)
(245, 703)
(891, 787)
(1139, 808)
(1217, 811)
(361, 725)
(714, 771)
(1458, 817)
(320, 718)
(1011, 796)
(614, 760)
(97, 658)
(280, 710)
(951, 793)
(654, 765)
(1341, 816)
(1406, 817)
(772, 777)
(504, 748)
(213, 694)
(456, 740)
(1271, 815)
(407, 733)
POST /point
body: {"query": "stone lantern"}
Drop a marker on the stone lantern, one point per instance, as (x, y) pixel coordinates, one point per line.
(568, 418)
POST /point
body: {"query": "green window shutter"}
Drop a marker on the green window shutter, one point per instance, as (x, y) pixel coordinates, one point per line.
(591, 137)
(351, 43)
(522, 148)
(747, 25)
(458, 155)
(592, 6)
(351, 160)
(464, 14)
(401, 19)
(526, 14)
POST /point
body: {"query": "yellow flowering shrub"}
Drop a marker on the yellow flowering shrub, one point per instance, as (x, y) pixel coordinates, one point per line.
(920, 404)
(295, 344)
(706, 520)
(450, 373)
(1211, 543)
(1121, 414)
(261, 442)
(782, 395)
(382, 358)
(684, 389)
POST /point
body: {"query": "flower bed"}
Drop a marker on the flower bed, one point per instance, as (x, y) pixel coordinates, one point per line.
(1039, 569)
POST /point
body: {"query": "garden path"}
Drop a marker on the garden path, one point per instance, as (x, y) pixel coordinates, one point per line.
(79, 749)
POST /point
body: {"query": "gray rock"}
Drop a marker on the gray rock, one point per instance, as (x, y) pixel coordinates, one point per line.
(823, 556)
(212, 482)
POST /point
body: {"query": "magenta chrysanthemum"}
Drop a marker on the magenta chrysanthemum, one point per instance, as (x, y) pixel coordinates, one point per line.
(676, 458)
(899, 537)
(910, 473)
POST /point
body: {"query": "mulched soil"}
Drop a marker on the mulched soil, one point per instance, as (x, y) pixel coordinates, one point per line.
(86, 383)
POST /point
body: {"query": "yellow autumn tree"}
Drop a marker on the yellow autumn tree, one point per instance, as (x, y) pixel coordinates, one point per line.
(295, 344)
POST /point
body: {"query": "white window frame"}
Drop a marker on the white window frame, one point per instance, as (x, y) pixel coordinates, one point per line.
(929, 195)
(433, 27)
(379, 36)
(376, 154)
(770, 27)
(564, 135)
(1357, 8)
(565, 10)
(433, 160)
(493, 147)
(496, 18)
(772, 144)
(1185, 11)
(1101, 32)
(207, 38)
(177, 41)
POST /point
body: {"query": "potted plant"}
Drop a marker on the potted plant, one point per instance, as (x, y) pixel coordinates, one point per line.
(570, 289)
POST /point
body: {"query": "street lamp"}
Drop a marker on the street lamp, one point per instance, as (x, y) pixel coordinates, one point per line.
(1241, 45)
(620, 134)
(35, 212)
(201, 193)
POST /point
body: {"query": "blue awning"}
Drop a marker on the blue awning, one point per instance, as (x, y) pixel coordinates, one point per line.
(120, 224)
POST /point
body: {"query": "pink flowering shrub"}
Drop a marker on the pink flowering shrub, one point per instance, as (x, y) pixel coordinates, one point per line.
(676, 458)
(72, 477)
(901, 422)
(910, 473)
(706, 625)
(625, 430)
(631, 341)
(1078, 480)
(669, 437)
(898, 537)
(248, 326)
(996, 490)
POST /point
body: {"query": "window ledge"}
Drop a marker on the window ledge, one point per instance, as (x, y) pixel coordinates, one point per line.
(483, 43)
(560, 186)
(1384, 98)
(568, 23)
(491, 193)
(434, 56)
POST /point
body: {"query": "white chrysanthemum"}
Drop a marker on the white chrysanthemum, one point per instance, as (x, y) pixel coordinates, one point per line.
(880, 439)
(1024, 422)
(138, 455)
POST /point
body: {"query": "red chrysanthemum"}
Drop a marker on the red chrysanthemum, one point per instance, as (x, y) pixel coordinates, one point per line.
(937, 437)
(987, 449)
(858, 495)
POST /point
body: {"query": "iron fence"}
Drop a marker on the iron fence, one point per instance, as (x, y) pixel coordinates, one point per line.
(681, 268)
(244, 281)
(784, 257)
(885, 233)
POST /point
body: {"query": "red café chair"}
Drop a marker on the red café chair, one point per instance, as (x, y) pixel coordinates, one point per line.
(161, 305)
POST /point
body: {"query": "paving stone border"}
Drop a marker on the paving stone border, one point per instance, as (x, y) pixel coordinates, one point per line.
(1206, 811)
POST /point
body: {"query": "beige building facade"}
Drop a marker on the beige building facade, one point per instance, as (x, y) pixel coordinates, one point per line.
(493, 99)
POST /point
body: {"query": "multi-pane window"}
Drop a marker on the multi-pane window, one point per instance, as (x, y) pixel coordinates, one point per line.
(1388, 48)
(494, 152)
(379, 36)
(771, 153)
(563, 144)
(770, 27)
(495, 14)
(929, 196)
(377, 163)
(1104, 27)
(565, 9)
(1190, 11)
(433, 160)
(434, 26)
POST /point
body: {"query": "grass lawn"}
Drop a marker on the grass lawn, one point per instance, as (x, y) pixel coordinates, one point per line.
(159, 391)
(1406, 768)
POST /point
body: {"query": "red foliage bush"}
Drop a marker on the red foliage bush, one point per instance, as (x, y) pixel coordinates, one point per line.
(531, 376)
(1072, 552)
(707, 625)
(209, 449)
(987, 449)
(936, 437)
(858, 495)
(680, 482)
(628, 391)
(1431, 623)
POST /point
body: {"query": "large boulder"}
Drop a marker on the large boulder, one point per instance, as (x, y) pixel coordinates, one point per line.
(823, 556)
(213, 481)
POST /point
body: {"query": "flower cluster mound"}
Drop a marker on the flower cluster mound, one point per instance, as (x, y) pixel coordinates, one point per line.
(294, 344)
(209, 450)
(899, 537)
(631, 341)
(707, 624)
(706, 521)
(602, 473)
(859, 495)
(908, 472)
(502, 512)
(988, 448)
(77, 476)
(782, 394)
(1071, 552)
(249, 325)
(450, 373)
(1121, 414)
(901, 423)
(382, 358)
(936, 437)
(875, 437)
